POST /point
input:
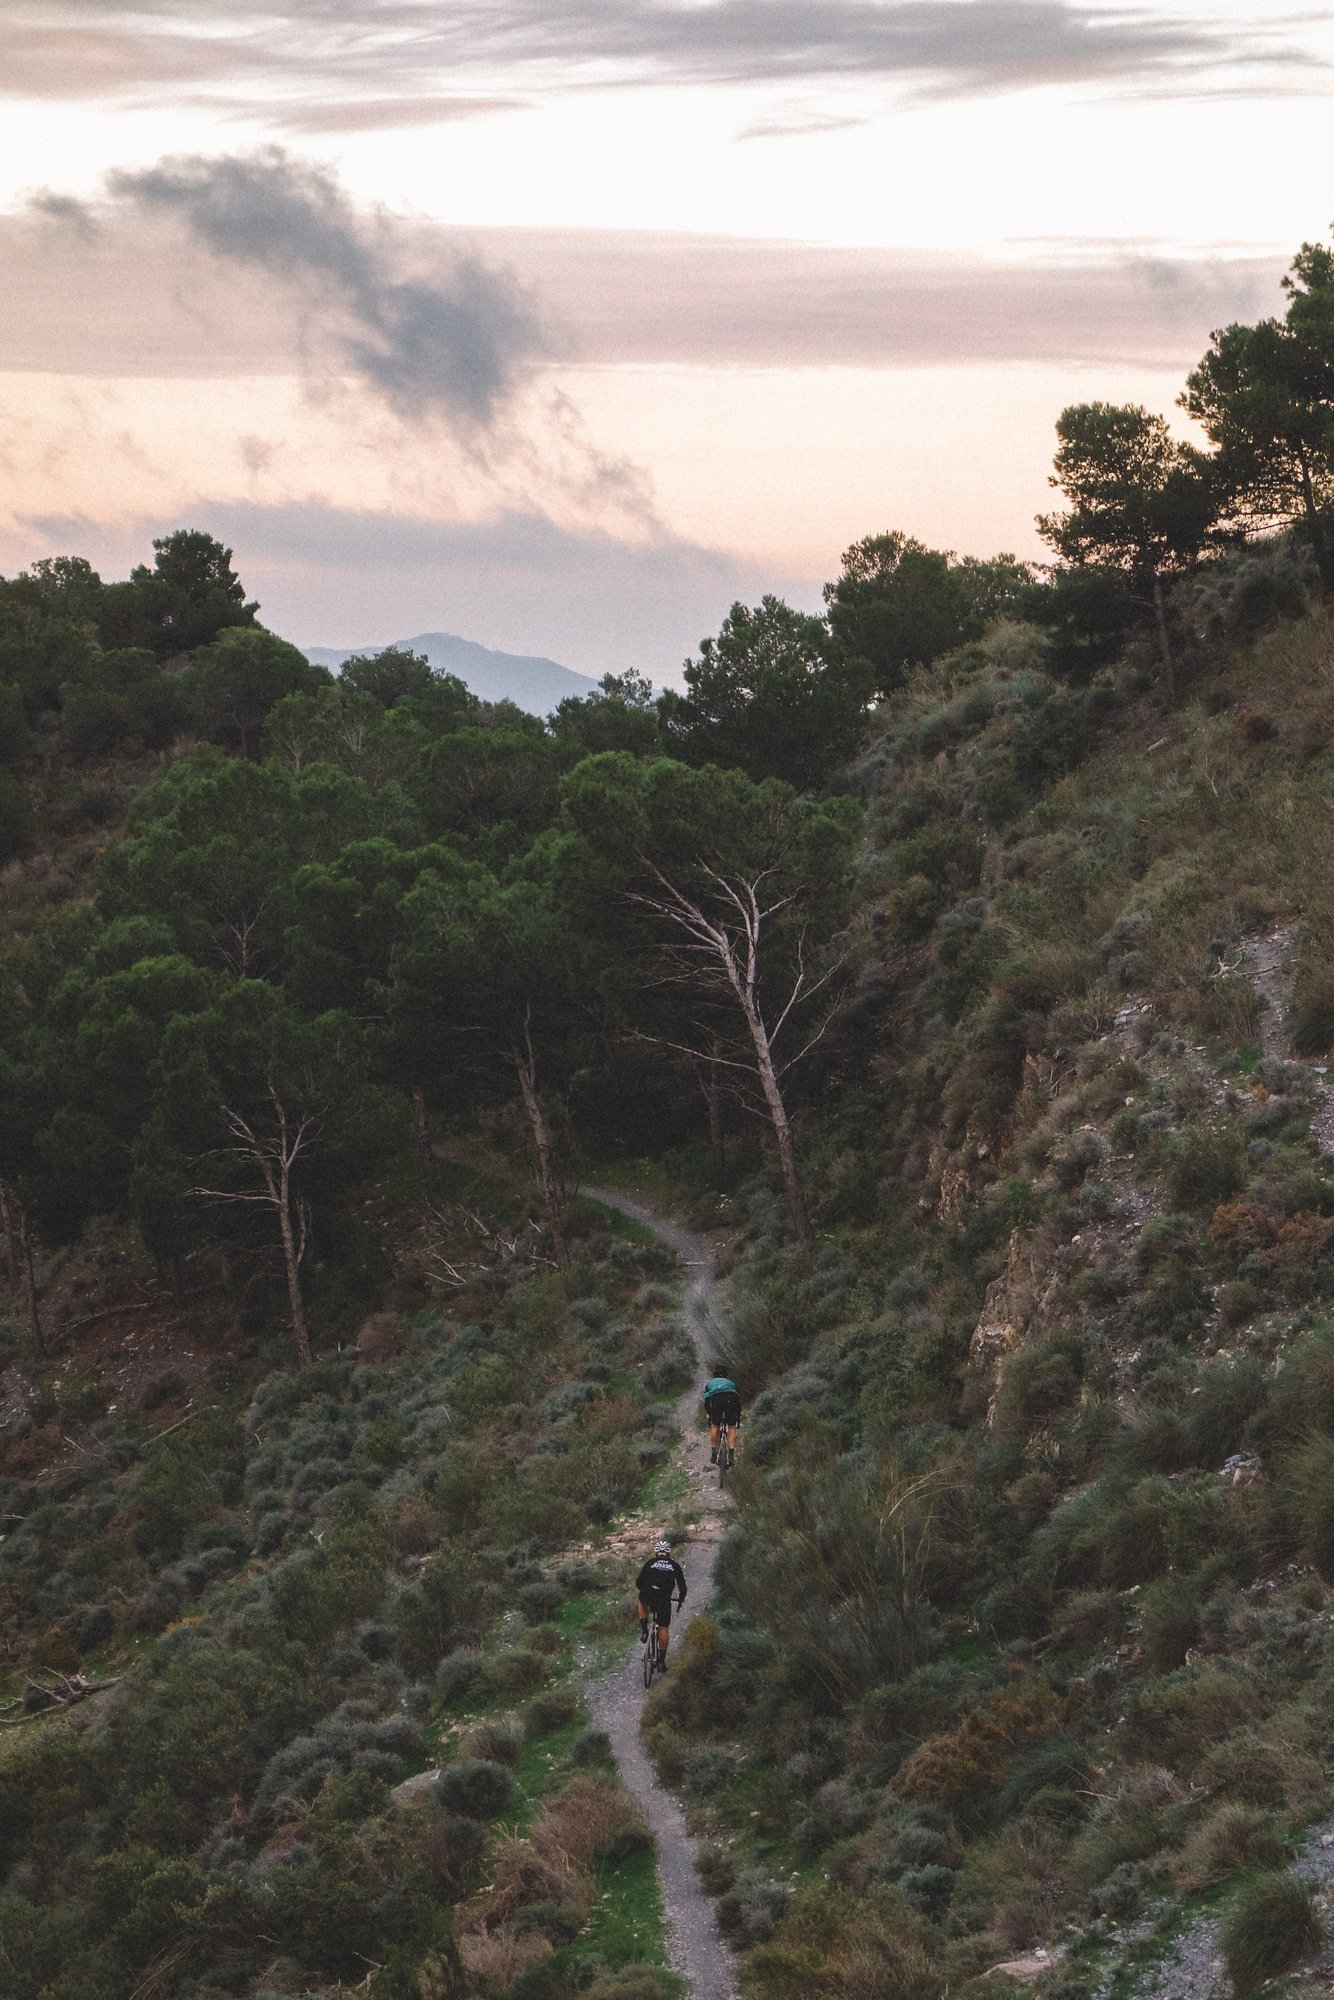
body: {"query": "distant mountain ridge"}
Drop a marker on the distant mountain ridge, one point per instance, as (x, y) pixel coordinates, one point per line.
(530, 682)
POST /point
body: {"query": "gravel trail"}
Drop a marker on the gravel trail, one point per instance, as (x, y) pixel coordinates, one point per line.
(1193, 1968)
(616, 1698)
(1264, 960)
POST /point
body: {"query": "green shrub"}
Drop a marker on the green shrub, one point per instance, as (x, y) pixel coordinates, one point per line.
(1204, 1168)
(1039, 1380)
(1169, 1622)
(1269, 1930)
(459, 1671)
(475, 1787)
(556, 1709)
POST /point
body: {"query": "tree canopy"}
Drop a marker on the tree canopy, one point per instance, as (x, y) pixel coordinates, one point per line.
(897, 604)
(1264, 396)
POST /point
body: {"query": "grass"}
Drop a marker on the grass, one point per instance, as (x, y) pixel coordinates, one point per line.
(626, 1924)
(1271, 1927)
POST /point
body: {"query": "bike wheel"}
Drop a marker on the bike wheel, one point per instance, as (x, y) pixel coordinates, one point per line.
(650, 1658)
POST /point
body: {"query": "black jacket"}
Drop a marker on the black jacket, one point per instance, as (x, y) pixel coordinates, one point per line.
(657, 1580)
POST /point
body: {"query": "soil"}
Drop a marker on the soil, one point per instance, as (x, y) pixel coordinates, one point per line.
(616, 1699)
(1193, 1966)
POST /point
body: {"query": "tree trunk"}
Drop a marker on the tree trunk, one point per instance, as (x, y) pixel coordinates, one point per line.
(11, 1243)
(421, 1132)
(1164, 642)
(525, 1069)
(797, 1211)
(292, 1261)
(1315, 521)
(30, 1281)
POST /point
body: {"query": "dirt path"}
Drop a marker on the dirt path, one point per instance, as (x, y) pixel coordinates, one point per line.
(616, 1698)
(1264, 960)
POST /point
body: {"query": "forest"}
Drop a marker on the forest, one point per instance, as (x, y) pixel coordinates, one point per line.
(961, 962)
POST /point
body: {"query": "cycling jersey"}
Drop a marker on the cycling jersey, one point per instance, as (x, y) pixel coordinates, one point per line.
(656, 1583)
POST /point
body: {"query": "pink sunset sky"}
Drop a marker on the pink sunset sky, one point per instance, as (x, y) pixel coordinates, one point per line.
(562, 326)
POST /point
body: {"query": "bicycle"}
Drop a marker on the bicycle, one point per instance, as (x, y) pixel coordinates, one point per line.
(652, 1655)
(726, 1458)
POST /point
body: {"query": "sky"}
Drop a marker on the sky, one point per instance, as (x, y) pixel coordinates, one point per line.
(563, 324)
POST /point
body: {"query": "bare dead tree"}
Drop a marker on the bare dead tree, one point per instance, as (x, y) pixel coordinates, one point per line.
(524, 1061)
(716, 947)
(425, 1144)
(272, 1154)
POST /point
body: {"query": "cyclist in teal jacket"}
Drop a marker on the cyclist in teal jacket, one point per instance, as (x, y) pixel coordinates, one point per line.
(722, 1404)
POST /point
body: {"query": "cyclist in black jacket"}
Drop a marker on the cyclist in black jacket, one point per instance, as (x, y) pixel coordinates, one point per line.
(655, 1584)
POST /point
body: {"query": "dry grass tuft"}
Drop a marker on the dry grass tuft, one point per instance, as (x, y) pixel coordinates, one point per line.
(588, 1819)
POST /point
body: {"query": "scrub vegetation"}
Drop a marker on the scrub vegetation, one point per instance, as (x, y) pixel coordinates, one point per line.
(965, 959)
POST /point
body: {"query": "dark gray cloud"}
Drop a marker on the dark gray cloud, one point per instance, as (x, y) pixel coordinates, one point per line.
(340, 577)
(371, 50)
(118, 304)
(455, 344)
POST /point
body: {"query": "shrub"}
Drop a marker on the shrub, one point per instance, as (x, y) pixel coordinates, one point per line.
(539, 1599)
(516, 1672)
(592, 1746)
(453, 1846)
(592, 1818)
(633, 1982)
(1204, 1168)
(715, 1867)
(751, 1907)
(568, 1400)
(1039, 1380)
(476, 1787)
(1228, 1839)
(522, 1875)
(1169, 1622)
(495, 1960)
(380, 1338)
(673, 1367)
(1270, 1928)
(459, 1671)
(496, 1738)
(556, 1709)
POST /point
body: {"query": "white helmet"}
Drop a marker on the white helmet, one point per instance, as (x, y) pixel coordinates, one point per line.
(662, 1547)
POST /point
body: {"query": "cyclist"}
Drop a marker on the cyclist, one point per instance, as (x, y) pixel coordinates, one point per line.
(722, 1405)
(660, 1576)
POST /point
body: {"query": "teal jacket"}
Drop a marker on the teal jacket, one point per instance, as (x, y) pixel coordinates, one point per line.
(717, 1382)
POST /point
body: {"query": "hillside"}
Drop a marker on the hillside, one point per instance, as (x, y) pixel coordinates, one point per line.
(960, 965)
(533, 684)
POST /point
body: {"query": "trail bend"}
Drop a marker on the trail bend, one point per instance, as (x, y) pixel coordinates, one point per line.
(695, 1944)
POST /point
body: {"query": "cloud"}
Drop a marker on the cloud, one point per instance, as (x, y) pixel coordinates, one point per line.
(116, 305)
(383, 48)
(456, 345)
(794, 123)
(379, 114)
(517, 580)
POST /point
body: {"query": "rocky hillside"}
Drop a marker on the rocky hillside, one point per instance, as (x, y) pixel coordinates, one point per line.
(1024, 1653)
